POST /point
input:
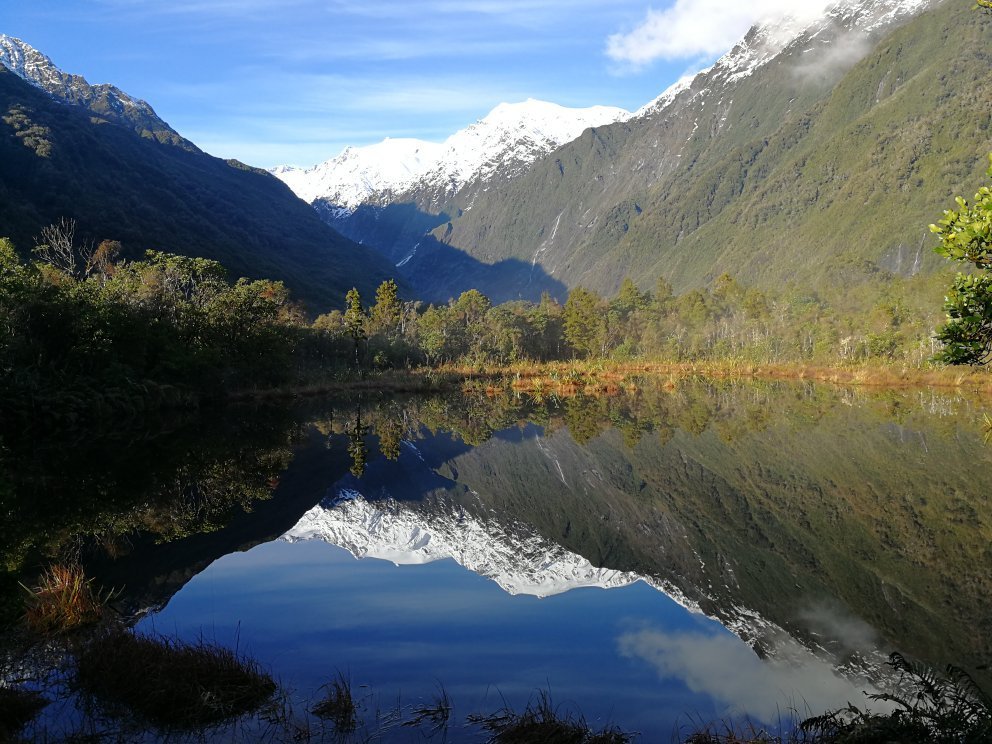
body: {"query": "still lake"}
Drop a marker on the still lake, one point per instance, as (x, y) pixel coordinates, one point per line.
(656, 560)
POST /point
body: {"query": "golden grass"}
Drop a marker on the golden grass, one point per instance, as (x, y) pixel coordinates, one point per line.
(63, 600)
(604, 377)
(565, 379)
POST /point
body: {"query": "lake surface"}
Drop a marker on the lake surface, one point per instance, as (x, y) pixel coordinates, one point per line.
(684, 554)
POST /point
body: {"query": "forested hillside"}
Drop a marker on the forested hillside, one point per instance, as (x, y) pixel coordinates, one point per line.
(813, 170)
(64, 161)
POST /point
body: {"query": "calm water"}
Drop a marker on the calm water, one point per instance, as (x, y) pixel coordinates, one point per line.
(653, 561)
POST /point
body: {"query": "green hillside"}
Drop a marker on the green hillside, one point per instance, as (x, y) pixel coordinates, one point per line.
(123, 184)
(802, 172)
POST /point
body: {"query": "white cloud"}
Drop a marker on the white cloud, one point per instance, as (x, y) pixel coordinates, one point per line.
(727, 670)
(689, 29)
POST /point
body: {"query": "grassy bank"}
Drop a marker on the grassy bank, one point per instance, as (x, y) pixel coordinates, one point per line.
(601, 377)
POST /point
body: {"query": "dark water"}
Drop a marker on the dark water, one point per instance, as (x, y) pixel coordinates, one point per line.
(680, 555)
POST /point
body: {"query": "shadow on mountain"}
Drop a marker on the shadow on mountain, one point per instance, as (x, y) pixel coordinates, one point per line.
(59, 160)
(440, 272)
(436, 271)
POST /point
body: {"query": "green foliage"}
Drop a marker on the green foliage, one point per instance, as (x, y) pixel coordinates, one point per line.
(126, 174)
(126, 337)
(583, 321)
(966, 235)
(946, 707)
(387, 312)
(33, 136)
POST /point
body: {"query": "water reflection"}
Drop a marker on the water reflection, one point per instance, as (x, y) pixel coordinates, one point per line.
(725, 670)
(821, 527)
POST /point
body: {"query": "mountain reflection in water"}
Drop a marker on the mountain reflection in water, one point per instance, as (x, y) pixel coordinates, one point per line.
(822, 528)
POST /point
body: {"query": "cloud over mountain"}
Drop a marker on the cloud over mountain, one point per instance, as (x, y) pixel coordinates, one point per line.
(689, 29)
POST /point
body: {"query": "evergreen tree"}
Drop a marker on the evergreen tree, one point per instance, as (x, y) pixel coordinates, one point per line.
(583, 321)
(354, 321)
(386, 313)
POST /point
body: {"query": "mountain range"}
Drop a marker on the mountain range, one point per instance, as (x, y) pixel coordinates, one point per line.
(94, 154)
(811, 153)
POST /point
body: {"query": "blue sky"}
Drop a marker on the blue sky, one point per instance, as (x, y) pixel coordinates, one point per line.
(294, 81)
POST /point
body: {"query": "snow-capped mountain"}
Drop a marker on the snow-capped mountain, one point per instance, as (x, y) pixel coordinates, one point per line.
(360, 173)
(522, 562)
(105, 100)
(507, 140)
(843, 24)
(680, 176)
(516, 558)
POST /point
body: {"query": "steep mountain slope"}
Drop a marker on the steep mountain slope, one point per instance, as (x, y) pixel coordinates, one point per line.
(391, 194)
(784, 162)
(106, 101)
(111, 164)
(812, 153)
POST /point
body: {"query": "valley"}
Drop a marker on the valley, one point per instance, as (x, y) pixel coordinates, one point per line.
(374, 397)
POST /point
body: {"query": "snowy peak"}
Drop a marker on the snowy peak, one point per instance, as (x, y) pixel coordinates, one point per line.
(517, 559)
(107, 101)
(29, 64)
(514, 135)
(846, 24)
(509, 138)
(359, 173)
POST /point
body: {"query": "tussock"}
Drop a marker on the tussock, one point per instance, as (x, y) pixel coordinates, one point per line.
(170, 683)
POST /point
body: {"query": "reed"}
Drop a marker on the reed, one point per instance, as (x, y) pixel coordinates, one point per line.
(63, 601)
(541, 722)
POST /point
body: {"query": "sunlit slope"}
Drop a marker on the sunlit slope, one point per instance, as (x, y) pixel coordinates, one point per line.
(809, 170)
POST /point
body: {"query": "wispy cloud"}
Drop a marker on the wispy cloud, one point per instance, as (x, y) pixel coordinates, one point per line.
(689, 29)
(722, 667)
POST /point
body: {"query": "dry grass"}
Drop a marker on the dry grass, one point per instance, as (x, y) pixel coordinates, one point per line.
(338, 705)
(63, 600)
(171, 684)
(542, 723)
(595, 378)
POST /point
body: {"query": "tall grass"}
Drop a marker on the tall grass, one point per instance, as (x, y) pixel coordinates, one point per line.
(63, 600)
(169, 683)
(338, 705)
(541, 722)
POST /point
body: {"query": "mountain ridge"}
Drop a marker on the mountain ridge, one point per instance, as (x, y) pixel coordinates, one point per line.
(511, 135)
(104, 100)
(122, 176)
(664, 192)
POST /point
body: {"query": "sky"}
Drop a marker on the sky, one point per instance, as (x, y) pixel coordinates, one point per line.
(273, 82)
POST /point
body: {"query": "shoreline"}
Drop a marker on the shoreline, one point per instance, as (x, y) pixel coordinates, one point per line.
(600, 377)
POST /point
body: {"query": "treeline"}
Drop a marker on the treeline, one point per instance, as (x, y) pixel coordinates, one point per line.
(892, 321)
(82, 332)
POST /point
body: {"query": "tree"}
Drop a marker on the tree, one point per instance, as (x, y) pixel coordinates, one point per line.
(57, 246)
(966, 235)
(386, 313)
(354, 320)
(583, 320)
